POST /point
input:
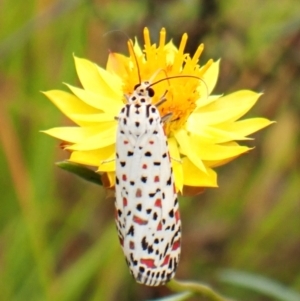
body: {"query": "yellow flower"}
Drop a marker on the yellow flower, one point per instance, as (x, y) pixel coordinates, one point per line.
(203, 129)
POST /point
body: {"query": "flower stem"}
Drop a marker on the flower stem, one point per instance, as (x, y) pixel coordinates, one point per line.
(197, 289)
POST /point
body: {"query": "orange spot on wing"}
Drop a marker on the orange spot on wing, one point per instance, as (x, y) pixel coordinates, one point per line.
(159, 226)
(131, 245)
(148, 262)
(144, 166)
(138, 193)
(156, 179)
(177, 216)
(157, 203)
(125, 142)
(166, 260)
(124, 178)
(139, 220)
(124, 202)
(176, 245)
(151, 142)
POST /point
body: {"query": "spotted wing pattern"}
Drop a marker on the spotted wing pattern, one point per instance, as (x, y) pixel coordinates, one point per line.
(147, 212)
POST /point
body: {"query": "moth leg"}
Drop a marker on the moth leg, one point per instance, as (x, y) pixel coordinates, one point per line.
(162, 99)
(127, 97)
(166, 117)
(176, 160)
(107, 161)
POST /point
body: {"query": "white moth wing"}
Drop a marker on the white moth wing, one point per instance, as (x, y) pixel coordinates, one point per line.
(147, 214)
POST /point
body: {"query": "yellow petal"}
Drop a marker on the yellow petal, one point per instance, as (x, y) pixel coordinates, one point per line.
(176, 163)
(93, 118)
(195, 177)
(106, 104)
(137, 49)
(93, 157)
(170, 49)
(101, 139)
(117, 63)
(226, 109)
(111, 177)
(76, 134)
(247, 126)
(113, 81)
(211, 152)
(219, 135)
(204, 100)
(210, 78)
(93, 79)
(69, 104)
(184, 141)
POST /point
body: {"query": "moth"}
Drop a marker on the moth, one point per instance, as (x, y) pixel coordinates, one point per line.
(147, 212)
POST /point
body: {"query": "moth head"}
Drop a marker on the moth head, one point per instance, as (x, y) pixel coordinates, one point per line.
(142, 93)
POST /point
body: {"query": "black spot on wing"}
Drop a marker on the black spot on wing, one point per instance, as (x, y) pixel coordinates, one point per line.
(144, 179)
(147, 111)
(144, 243)
(151, 195)
(170, 264)
(127, 112)
(150, 249)
(141, 269)
(131, 231)
(166, 250)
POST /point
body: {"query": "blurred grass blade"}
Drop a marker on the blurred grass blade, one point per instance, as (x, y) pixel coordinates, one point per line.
(259, 284)
(81, 171)
(177, 297)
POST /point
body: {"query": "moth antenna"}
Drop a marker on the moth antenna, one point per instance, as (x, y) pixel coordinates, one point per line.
(157, 72)
(130, 43)
(178, 76)
(130, 46)
(116, 30)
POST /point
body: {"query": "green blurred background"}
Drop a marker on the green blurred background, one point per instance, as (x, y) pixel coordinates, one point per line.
(57, 236)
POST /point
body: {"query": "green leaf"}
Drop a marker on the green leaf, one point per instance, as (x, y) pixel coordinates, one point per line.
(259, 284)
(177, 297)
(81, 171)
